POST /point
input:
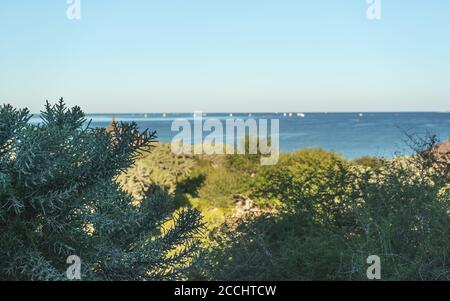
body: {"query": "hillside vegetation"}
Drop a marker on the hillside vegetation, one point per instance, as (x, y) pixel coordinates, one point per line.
(313, 216)
(132, 210)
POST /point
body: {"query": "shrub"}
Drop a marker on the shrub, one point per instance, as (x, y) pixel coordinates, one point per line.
(59, 197)
(334, 216)
(159, 168)
(372, 162)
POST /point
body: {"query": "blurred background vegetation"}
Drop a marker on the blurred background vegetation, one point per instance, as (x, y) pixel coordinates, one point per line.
(313, 216)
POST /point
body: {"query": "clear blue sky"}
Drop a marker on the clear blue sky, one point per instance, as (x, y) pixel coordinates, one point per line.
(227, 55)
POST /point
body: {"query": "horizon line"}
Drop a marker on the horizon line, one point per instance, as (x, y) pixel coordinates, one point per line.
(258, 112)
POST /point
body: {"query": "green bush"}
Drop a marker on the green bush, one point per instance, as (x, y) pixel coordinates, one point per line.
(405, 219)
(59, 197)
(334, 216)
(304, 179)
(159, 168)
(216, 188)
(372, 162)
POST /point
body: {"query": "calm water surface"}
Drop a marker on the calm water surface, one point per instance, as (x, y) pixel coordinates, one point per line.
(353, 135)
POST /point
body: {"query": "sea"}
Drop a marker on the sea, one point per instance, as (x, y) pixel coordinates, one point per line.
(351, 134)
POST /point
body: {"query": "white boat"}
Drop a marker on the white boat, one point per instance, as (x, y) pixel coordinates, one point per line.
(302, 115)
(290, 114)
(164, 115)
(361, 114)
(231, 115)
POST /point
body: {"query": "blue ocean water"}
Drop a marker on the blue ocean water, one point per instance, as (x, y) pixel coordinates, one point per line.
(351, 134)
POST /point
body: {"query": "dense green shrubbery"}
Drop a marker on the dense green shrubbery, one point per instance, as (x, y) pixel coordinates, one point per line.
(303, 179)
(59, 197)
(65, 190)
(367, 161)
(334, 216)
(404, 216)
(156, 169)
(322, 216)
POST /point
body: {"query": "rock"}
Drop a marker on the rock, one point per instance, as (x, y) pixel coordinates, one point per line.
(244, 207)
(441, 152)
(443, 149)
